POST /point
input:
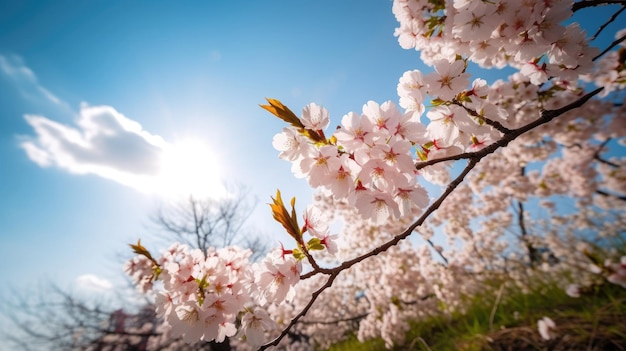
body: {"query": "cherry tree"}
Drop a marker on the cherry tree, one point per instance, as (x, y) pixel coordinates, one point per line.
(530, 169)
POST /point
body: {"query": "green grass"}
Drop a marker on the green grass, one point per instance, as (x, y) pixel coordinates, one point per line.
(594, 321)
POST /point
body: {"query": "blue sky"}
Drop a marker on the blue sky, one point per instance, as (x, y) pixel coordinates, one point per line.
(155, 73)
(195, 70)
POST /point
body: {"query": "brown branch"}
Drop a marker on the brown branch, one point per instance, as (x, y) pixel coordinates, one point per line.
(436, 250)
(125, 333)
(592, 3)
(334, 272)
(423, 298)
(604, 193)
(606, 162)
(610, 20)
(598, 158)
(495, 124)
(434, 206)
(546, 116)
(302, 313)
(611, 46)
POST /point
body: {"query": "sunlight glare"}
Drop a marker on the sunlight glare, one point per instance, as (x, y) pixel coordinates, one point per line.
(190, 168)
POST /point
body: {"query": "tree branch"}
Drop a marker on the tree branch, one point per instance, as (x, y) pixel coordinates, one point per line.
(604, 193)
(610, 20)
(611, 46)
(495, 124)
(546, 116)
(598, 158)
(302, 313)
(592, 3)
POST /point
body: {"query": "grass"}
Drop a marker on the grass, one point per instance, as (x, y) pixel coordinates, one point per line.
(594, 321)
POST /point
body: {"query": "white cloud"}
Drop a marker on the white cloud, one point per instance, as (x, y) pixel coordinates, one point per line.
(105, 143)
(93, 282)
(26, 82)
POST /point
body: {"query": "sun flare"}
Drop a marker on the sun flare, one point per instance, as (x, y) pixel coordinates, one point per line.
(190, 168)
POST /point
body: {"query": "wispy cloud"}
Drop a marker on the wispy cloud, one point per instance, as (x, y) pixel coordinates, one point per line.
(26, 82)
(93, 282)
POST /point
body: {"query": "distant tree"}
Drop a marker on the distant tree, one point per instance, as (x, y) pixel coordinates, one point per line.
(203, 223)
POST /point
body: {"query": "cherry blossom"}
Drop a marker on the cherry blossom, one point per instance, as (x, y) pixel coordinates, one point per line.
(315, 117)
(447, 80)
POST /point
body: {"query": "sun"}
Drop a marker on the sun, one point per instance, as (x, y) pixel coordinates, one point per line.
(190, 168)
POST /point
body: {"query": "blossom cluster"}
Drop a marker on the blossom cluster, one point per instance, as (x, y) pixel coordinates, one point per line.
(367, 161)
(208, 295)
(527, 35)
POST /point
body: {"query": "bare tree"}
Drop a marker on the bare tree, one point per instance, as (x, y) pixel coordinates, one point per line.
(202, 223)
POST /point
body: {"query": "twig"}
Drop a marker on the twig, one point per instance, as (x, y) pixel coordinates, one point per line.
(497, 125)
(604, 193)
(304, 311)
(597, 156)
(438, 251)
(611, 46)
(592, 3)
(611, 20)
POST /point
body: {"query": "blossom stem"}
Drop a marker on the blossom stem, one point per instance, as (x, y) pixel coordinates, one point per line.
(611, 46)
(609, 21)
(497, 125)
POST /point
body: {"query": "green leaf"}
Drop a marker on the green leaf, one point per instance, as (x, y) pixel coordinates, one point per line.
(437, 102)
(315, 244)
(298, 255)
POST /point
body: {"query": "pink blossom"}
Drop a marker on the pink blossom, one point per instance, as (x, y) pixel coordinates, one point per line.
(254, 324)
(329, 241)
(448, 80)
(315, 117)
(291, 144)
(377, 205)
(319, 165)
(354, 132)
(277, 278)
(314, 222)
